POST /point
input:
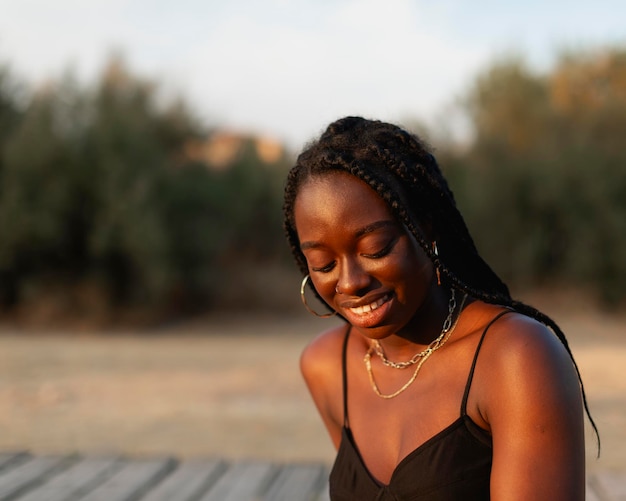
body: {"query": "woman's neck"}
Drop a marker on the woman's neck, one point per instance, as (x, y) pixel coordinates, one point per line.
(424, 327)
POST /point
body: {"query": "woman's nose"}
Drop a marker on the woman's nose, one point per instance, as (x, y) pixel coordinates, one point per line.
(353, 279)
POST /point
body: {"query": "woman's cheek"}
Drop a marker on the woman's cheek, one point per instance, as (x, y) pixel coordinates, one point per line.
(324, 287)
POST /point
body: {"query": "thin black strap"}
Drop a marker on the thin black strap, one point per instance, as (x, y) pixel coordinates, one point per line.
(471, 373)
(344, 369)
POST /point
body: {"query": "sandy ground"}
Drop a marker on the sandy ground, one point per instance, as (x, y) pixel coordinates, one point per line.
(226, 386)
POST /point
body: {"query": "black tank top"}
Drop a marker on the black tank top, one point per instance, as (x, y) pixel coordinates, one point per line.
(453, 465)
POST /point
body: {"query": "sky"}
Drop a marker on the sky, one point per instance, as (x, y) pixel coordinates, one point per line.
(286, 68)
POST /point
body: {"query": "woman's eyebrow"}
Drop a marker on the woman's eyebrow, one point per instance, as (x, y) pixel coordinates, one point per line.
(385, 223)
(309, 245)
(358, 234)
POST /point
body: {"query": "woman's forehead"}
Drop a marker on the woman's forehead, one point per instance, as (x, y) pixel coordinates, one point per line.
(337, 186)
(338, 200)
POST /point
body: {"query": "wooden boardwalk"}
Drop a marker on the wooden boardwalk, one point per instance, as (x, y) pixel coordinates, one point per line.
(26, 477)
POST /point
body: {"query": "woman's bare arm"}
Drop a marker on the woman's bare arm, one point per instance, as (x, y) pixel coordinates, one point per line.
(534, 409)
(320, 364)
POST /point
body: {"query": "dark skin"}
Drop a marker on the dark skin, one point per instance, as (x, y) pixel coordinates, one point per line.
(525, 391)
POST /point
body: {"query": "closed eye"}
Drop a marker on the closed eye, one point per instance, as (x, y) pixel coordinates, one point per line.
(324, 269)
(384, 251)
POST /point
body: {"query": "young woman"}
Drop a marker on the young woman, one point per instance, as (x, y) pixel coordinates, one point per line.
(440, 386)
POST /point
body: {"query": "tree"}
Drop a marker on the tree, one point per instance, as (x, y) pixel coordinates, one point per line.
(98, 186)
(545, 171)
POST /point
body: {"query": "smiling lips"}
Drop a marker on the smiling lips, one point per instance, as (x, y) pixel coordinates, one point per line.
(366, 308)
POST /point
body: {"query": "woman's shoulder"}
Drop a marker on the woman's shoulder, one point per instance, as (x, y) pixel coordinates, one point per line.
(521, 352)
(527, 394)
(321, 367)
(512, 335)
(322, 356)
(517, 350)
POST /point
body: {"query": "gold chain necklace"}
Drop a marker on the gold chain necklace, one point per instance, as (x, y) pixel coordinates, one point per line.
(447, 324)
(419, 358)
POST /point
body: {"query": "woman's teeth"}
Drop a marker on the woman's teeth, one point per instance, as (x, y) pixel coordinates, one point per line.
(360, 310)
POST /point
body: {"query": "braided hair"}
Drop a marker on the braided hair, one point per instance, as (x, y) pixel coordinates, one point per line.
(399, 167)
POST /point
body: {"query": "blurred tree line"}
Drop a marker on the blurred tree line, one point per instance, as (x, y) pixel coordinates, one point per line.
(543, 182)
(101, 193)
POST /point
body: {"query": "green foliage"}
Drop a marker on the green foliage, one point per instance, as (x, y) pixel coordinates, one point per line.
(96, 187)
(543, 183)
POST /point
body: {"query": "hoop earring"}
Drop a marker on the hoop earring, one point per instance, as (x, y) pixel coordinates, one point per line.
(303, 298)
(436, 253)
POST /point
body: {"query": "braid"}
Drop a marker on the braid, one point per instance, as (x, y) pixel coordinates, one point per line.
(399, 167)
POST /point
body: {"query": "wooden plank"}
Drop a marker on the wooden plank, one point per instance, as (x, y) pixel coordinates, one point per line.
(11, 459)
(76, 481)
(610, 485)
(132, 481)
(68, 478)
(189, 481)
(301, 482)
(325, 492)
(244, 481)
(15, 481)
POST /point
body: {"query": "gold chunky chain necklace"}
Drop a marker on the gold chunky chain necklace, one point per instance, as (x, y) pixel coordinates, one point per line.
(418, 358)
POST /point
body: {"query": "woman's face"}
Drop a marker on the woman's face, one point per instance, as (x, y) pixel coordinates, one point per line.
(353, 244)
